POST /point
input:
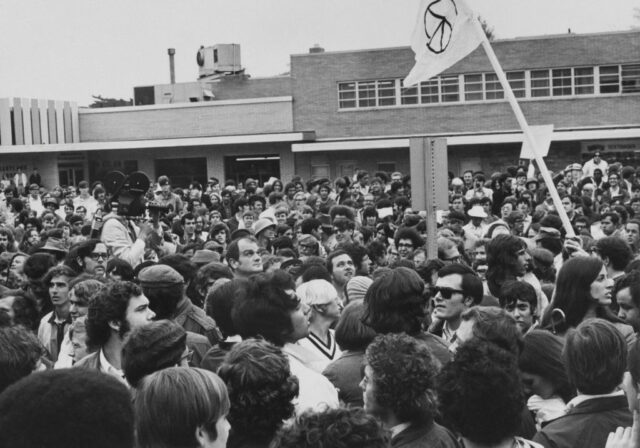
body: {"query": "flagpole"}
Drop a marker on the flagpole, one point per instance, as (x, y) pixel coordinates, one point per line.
(522, 121)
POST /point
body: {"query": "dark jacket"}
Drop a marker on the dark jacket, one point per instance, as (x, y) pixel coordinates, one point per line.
(345, 373)
(586, 425)
(429, 435)
(194, 319)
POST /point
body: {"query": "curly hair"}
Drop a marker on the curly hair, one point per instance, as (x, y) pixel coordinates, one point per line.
(264, 308)
(404, 372)
(395, 303)
(261, 389)
(67, 407)
(337, 428)
(109, 304)
(481, 394)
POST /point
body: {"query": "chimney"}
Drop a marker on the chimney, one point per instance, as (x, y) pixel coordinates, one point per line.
(172, 66)
(316, 49)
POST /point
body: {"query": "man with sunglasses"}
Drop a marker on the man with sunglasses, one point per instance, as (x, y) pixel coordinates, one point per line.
(457, 289)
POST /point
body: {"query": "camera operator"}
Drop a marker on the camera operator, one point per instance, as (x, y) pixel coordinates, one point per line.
(127, 234)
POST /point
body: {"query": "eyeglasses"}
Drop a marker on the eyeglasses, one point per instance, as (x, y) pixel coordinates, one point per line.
(405, 245)
(446, 293)
(97, 255)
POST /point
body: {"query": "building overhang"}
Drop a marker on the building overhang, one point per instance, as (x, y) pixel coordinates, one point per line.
(468, 139)
(283, 137)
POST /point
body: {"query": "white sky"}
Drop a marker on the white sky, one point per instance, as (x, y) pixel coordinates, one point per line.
(71, 49)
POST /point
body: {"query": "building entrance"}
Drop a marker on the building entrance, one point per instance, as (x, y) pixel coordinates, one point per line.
(261, 168)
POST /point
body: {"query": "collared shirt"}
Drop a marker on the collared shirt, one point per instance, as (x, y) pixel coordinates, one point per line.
(106, 367)
(581, 398)
(51, 333)
(395, 430)
(448, 334)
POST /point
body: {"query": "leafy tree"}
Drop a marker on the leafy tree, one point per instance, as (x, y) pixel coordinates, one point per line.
(99, 102)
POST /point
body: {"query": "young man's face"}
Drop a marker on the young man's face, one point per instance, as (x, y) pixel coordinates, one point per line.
(633, 234)
(59, 290)
(371, 405)
(628, 310)
(450, 303)
(607, 226)
(189, 226)
(405, 246)
(299, 322)
(522, 313)
(343, 269)
(249, 259)
(458, 205)
(138, 312)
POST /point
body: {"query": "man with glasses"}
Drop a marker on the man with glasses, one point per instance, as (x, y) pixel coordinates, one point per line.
(90, 257)
(457, 289)
(407, 240)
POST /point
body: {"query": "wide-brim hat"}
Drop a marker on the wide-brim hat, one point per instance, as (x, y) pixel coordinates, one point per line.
(55, 245)
(204, 256)
(262, 224)
(532, 181)
(477, 212)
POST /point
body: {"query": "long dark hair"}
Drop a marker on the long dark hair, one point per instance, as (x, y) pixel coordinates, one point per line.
(501, 259)
(542, 355)
(573, 295)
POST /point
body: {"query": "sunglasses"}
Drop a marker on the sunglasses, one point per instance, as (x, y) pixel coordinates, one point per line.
(446, 293)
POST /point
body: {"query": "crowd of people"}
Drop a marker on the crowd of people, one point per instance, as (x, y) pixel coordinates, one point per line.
(312, 314)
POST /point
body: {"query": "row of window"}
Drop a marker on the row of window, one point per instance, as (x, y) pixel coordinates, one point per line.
(544, 83)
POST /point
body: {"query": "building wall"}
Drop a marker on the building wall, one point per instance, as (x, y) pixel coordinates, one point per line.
(214, 154)
(186, 120)
(315, 78)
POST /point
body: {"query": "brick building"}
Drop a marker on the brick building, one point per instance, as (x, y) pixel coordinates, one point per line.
(339, 111)
(587, 86)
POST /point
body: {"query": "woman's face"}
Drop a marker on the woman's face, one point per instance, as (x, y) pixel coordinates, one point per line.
(16, 264)
(221, 237)
(601, 288)
(277, 186)
(537, 385)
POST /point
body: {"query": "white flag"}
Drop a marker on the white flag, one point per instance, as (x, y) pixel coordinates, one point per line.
(444, 33)
(542, 136)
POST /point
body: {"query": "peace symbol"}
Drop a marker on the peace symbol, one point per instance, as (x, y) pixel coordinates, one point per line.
(439, 19)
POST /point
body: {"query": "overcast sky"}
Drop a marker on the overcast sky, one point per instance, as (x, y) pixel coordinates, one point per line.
(71, 49)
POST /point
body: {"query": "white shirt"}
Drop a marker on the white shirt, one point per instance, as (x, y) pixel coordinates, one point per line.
(316, 391)
(590, 165)
(106, 367)
(318, 353)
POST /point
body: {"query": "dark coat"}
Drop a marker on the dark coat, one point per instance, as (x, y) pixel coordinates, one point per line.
(586, 425)
(419, 436)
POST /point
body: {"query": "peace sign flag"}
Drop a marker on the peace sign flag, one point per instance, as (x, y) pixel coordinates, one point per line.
(444, 34)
